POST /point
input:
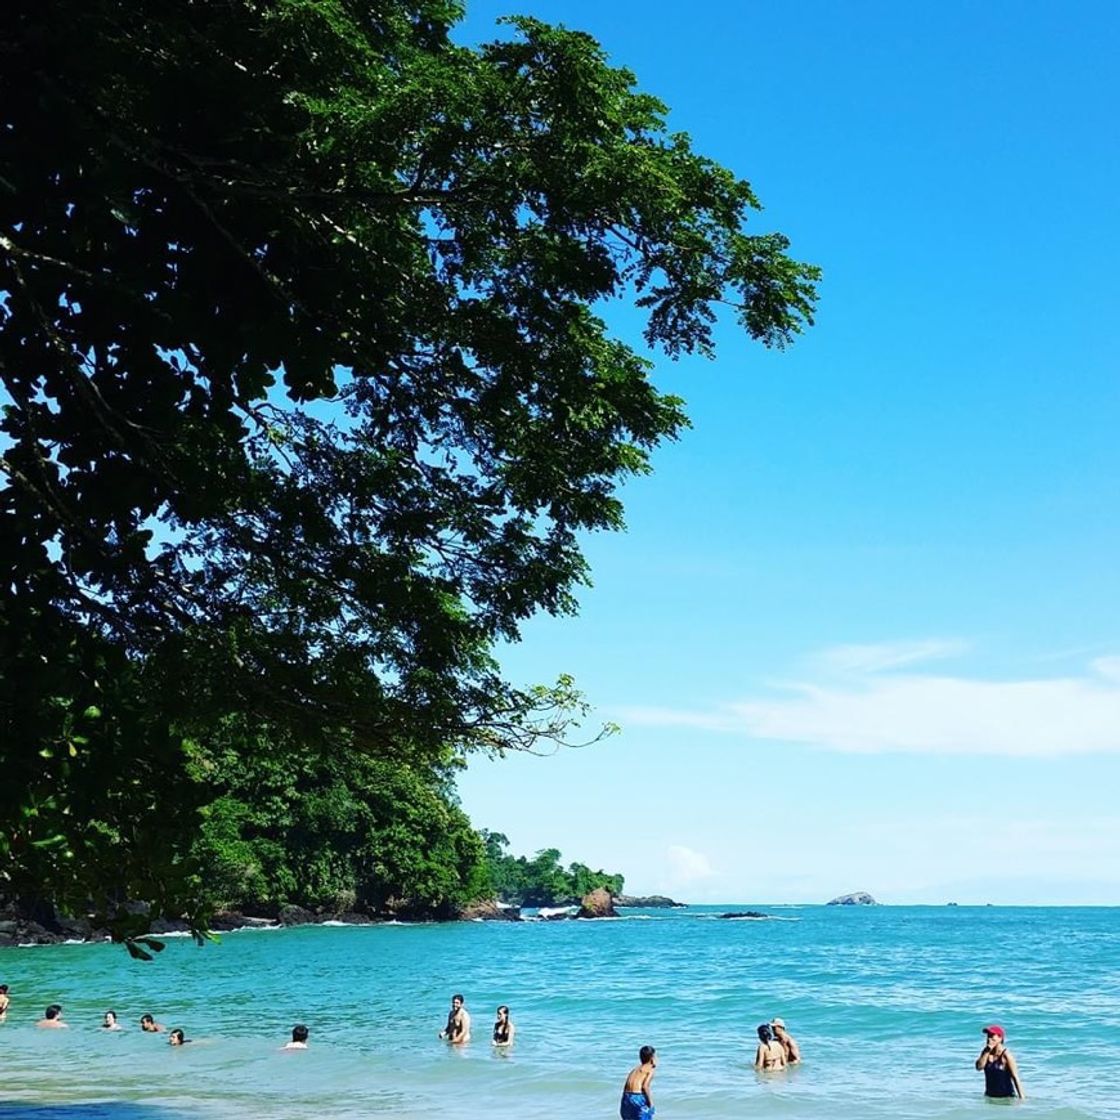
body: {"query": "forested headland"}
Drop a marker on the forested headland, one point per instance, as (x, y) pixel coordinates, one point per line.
(348, 833)
(306, 406)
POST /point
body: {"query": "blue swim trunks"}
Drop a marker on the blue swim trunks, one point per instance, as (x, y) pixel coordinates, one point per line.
(634, 1107)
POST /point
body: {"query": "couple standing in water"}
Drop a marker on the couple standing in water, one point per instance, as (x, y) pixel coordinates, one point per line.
(458, 1029)
(777, 1048)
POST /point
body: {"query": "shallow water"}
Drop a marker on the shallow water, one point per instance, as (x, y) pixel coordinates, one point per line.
(886, 1002)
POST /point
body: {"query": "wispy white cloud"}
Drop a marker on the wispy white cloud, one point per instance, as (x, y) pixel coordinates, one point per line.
(856, 699)
(685, 867)
(880, 656)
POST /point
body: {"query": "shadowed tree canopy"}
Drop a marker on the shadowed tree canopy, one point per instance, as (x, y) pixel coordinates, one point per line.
(306, 399)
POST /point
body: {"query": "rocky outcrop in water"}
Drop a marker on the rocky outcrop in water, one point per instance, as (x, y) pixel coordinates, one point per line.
(745, 914)
(856, 898)
(597, 904)
(490, 910)
(648, 901)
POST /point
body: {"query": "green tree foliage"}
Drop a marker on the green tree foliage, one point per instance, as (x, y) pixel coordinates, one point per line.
(332, 831)
(542, 880)
(305, 399)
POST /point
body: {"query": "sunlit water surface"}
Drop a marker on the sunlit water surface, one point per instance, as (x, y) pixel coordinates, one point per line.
(886, 1002)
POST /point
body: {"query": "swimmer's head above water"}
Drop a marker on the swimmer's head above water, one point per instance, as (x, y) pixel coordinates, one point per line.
(765, 1033)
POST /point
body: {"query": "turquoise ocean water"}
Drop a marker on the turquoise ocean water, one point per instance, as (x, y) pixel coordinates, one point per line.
(886, 1002)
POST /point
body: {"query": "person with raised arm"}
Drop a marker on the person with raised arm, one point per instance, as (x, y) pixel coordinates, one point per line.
(789, 1043)
(1001, 1073)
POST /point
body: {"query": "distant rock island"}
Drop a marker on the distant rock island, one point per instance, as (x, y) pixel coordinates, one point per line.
(856, 898)
(745, 914)
(649, 901)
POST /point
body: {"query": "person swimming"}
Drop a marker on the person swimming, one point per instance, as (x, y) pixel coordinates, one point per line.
(771, 1054)
(5, 1002)
(637, 1100)
(299, 1038)
(109, 1023)
(150, 1026)
(52, 1019)
(177, 1038)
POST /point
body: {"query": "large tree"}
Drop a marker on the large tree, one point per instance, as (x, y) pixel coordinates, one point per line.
(306, 394)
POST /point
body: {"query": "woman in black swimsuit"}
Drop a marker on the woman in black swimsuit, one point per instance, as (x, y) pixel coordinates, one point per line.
(503, 1028)
(1001, 1074)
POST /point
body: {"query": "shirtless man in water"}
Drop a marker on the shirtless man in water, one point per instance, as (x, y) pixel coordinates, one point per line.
(458, 1029)
(789, 1043)
(637, 1101)
(52, 1019)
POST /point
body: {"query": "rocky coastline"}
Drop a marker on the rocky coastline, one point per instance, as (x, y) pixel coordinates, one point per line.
(42, 926)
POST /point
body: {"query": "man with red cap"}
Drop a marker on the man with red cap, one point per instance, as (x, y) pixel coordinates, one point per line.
(1001, 1074)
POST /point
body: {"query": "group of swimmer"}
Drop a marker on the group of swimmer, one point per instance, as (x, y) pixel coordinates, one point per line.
(457, 1031)
(777, 1050)
(52, 1020)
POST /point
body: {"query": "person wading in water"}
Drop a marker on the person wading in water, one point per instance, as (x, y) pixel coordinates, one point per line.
(1001, 1074)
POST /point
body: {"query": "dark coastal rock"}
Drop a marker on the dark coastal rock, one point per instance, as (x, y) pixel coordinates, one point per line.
(353, 918)
(40, 925)
(490, 910)
(649, 901)
(597, 904)
(856, 898)
(745, 914)
(296, 916)
(16, 930)
(169, 925)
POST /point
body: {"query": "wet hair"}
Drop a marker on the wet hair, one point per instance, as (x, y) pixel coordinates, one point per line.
(176, 1034)
(502, 1007)
(458, 996)
(766, 1033)
(645, 1054)
(299, 1033)
(3, 989)
(113, 1013)
(53, 1011)
(146, 1019)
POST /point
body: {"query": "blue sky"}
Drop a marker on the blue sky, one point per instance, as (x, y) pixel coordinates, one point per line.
(863, 631)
